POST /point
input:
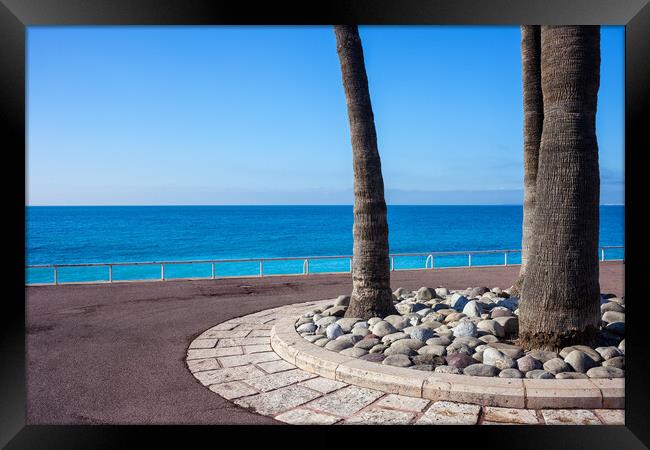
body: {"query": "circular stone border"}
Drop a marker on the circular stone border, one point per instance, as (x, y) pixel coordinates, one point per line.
(605, 393)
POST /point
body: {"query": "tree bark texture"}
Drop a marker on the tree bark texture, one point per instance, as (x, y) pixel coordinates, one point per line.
(533, 121)
(371, 293)
(560, 296)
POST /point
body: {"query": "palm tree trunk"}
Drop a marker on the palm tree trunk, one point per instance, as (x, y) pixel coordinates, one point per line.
(371, 293)
(533, 121)
(560, 296)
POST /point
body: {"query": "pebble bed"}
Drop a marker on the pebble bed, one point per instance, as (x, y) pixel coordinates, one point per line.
(471, 332)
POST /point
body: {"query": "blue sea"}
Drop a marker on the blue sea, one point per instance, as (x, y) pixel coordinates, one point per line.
(99, 234)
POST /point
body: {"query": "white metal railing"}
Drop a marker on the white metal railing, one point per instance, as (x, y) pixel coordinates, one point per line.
(428, 264)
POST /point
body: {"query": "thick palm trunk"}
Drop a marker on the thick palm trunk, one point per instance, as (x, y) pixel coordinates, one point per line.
(371, 293)
(533, 121)
(560, 296)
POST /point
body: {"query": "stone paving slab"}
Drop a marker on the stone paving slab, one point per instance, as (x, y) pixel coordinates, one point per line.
(449, 413)
(269, 383)
(381, 417)
(570, 417)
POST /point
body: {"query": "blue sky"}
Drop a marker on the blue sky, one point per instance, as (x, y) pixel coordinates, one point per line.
(256, 115)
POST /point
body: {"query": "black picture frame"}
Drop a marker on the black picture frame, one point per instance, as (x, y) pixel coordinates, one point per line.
(16, 15)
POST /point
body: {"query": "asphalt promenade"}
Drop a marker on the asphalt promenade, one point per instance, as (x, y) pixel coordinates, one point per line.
(114, 354)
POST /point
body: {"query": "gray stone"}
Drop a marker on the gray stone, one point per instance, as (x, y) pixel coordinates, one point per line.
(542, 355)
(372, 321)
(459, 347)
(617, 361)
(398, 360)
(399, 292)
(510, 324)
(481, 370)
(580, 361)
(436, 350)
(422, 313)
(428, 359)
(367, 344)
(492, 327)
(394, 337)
(360, 331)
(510, 373)
(351, 338)
(338, 345)
(303, 320)
(494, 357)
(442, 340)
(322, 342)
(465, 328)
(441, 292)
(528, 363)
(342, 300)
(425, 293)
(584, 349)
(422, 333)
(335, 311)
(605, 372)
(313, 338)
(383, 328)
(608, 352)
(570, 376)
(373, 357)
(448, 369)
(395, 319)
(325, 321)
(333, 331)
(478, 356)
(459, 360)
(423, 367)
(539, 374)
(471, 342)
(488, 338)
(613, 316)
(512, 351)
(414, 344)
(472, 309)
(399, 349)
(556, 365)
(611, 306)
(477, 291)
(500, 311)
(432, 324)
(354, 352)
(621, 346)
(346, 323)
(309, 327)
(379, 348)
(458, 302)
(454, 317)
(362, 324)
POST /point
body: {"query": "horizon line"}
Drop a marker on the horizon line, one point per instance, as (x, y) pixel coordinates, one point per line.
(286, 204)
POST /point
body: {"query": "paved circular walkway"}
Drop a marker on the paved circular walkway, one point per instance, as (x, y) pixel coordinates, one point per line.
(235, 360)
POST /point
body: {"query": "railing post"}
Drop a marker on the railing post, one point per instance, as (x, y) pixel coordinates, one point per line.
(261, 269)
(602, 254)
(432, 261)
(110, 273)
(350, 265)
(470, 259)
(162, 271)
(305, 267)
(213, 271)
(56, 275)
(505, 258)
(392, 264)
